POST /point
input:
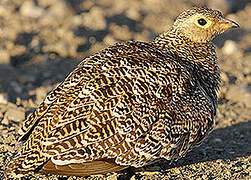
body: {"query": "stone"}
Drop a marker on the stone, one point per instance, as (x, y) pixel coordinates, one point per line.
(1, 115)
(40, 94)
(94, 19)
(3, 98)
(15, 114)
(217, 140)
(230, 47)
(29, 9)
(120, 32)
(224, 77)
(109, 40)
(5, 121)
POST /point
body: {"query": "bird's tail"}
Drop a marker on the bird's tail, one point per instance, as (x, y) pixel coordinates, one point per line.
(29, 159)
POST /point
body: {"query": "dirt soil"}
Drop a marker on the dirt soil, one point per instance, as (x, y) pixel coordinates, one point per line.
(41, 41)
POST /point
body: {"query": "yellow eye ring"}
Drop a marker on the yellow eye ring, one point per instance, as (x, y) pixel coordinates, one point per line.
(202, 22)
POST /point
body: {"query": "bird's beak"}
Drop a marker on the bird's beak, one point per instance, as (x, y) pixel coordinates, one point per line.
(227, 24)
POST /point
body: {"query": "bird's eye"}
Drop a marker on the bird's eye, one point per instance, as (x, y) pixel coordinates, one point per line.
(202, 22)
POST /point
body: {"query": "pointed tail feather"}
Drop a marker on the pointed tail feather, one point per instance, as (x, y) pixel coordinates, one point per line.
(34, 161)
(82, 169)
(25, 163)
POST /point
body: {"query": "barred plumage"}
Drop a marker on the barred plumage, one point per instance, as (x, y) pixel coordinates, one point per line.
(129, 104)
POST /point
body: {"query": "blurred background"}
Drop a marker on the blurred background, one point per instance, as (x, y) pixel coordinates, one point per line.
(41, 41)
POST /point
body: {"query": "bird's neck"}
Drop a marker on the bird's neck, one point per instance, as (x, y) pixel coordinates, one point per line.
(200, 57)
(202, 54)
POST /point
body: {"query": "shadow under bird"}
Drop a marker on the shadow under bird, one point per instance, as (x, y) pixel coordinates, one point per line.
(129, 105)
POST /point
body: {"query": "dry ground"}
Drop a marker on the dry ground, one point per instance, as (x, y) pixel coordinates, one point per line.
(42, 40)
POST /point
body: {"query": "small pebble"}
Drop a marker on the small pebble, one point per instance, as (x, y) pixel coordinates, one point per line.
(217, 140)
(230, 47)
(15, 115)
(94, 15)
(3, 98)
(5, 121)
(28, 9)
(1, 115)
(224, 77)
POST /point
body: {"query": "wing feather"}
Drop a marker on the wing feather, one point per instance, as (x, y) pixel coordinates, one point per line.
(117, 101)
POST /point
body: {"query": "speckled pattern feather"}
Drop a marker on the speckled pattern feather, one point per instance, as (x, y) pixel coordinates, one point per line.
(131, 104)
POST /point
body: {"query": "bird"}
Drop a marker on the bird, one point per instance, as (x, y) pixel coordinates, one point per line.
(130, 104)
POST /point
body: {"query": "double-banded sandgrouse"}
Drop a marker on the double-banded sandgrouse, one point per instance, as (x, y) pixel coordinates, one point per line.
(130, 104)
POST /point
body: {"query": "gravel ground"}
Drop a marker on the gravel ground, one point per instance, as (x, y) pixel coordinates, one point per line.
(41, 41)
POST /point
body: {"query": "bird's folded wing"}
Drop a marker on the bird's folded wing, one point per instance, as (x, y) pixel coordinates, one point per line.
(107, 106)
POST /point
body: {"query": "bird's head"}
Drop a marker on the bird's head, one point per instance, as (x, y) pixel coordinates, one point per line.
(201, 24)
